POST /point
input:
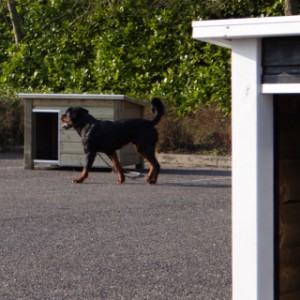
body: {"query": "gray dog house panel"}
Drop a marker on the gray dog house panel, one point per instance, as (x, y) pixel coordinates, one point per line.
(281, 60)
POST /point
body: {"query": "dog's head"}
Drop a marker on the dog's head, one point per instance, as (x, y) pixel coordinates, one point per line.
(74, 117)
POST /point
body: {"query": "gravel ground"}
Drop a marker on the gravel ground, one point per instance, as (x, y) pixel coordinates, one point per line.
(102, 240)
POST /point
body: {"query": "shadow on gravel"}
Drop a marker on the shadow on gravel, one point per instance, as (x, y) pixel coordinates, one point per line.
(200, 172)
(197, 185)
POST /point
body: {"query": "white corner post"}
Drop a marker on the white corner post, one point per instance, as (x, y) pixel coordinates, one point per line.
(253, 176)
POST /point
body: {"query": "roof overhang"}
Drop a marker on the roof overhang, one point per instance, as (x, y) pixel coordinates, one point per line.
(113, 97)
(73, 96)
(222, 32)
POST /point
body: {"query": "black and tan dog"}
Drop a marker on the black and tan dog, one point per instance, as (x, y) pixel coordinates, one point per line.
(109, 136)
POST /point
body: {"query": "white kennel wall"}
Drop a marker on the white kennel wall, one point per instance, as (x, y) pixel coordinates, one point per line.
(253, 152)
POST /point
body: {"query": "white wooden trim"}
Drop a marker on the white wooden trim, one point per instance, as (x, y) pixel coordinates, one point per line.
(73, 96)
(222, 32)
(252, 177)
(46, 162)
(58, 112)
(226, 43)
(81, 97)
(40, 110)
(279, 88)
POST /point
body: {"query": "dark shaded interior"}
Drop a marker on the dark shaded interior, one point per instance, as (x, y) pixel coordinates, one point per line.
(287, 191)
(45, 135)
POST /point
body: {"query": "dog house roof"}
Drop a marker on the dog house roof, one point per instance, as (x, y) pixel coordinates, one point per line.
(80, 96)
(222, 32)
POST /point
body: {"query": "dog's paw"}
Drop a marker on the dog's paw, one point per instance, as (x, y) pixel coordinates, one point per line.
(121, 180)
(79, 180)
(151, 180)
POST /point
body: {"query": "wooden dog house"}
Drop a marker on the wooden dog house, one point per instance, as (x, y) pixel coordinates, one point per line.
(46, 143)
(265, 152)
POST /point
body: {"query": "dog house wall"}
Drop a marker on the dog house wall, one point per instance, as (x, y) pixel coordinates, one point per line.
(281, 60)
(106, 107)
(265, 75)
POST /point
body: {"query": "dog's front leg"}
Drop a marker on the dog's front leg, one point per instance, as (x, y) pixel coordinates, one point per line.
(90, 157)
(117, 166)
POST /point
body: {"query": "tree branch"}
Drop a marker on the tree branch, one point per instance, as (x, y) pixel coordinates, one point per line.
(291, 7)
(15, 20)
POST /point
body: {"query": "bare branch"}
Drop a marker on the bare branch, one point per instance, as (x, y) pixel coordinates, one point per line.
(15, 20)
(291, 7)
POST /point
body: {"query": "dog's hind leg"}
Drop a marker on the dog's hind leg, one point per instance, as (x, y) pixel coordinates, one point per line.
(117, 166)
(154, 169)
(149, 154)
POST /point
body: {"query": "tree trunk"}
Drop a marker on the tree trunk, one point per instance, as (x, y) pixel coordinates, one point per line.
(15, 20)
(291, 7)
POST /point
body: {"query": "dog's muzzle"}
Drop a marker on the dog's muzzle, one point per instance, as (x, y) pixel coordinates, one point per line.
(66, 124)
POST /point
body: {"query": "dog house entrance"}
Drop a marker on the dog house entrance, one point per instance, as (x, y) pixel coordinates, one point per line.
(46, 136)
(287, 170)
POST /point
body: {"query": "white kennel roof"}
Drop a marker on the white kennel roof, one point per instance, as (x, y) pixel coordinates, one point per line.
(74, 96)
(222, 32)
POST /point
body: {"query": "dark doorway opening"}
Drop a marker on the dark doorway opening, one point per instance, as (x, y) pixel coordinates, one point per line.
(45, 135)
(287, 195)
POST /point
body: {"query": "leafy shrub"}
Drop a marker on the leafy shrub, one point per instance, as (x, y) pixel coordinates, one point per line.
(11, 123)
(206, 131)
(141, 48)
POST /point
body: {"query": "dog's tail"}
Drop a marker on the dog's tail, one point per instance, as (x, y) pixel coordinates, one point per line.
(159, 108)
